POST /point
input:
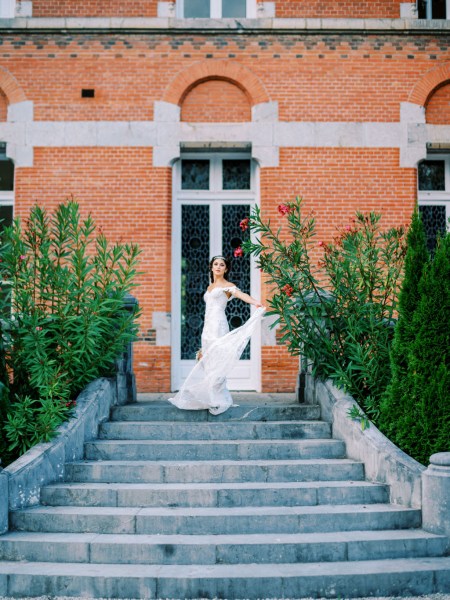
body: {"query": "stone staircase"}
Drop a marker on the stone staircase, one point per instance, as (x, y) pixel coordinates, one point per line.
(259, 502)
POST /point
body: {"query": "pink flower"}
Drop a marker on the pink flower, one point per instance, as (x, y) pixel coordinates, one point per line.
(238, 252)
(347, 228)
(284, 209)
(288, 289)
(22, 257)
(38, 328)
(244, 224)
(321, 243)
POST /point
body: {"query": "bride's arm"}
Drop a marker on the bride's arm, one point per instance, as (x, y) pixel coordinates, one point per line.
(246, 298)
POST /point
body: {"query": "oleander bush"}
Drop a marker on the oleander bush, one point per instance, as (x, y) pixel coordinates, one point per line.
(335, 302)
(64, 322)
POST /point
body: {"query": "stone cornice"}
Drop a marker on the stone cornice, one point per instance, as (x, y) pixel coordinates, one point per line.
(132, 25)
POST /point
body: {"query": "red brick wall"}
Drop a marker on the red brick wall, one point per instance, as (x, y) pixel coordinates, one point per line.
(216, 101)
(313, 78)
(438, 107)
(3, 107)
(279, 369)
(284, 8)
(131, 201)
(338, 8)
(94, 8)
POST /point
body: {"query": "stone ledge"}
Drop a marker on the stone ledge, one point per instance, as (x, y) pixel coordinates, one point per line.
(275, 25)
(45, 463)
(383, 461)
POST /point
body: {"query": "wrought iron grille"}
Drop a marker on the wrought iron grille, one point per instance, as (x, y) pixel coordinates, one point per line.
(194, 275)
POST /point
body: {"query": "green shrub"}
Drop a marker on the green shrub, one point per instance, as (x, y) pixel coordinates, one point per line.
(67, 323)
(338, 312)
(396, 401)
(418, 418)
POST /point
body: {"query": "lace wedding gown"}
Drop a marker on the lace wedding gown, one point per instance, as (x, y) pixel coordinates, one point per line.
(205, 386)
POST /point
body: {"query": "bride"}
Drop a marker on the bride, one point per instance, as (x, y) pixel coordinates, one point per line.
(205, 386)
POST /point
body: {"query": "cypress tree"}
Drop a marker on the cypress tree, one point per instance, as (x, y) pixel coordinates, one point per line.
(424, 427)
(416, 258)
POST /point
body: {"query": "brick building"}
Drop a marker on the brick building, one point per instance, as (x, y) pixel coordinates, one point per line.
(169, 120)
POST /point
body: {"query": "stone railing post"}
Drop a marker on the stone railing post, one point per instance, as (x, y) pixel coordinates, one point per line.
(126, 382)
(4, 501)
(436, 494)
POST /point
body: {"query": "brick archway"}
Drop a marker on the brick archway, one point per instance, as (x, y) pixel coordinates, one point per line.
(432, 80)
(10, 87)
(229, 71)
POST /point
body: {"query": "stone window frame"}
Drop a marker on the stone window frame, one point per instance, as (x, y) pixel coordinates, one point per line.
(7, 9)
(216, 9)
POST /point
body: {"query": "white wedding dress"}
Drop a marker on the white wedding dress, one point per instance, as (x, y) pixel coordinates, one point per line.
(205, 386)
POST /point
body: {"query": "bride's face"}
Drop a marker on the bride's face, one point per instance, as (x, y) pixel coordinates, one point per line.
(219, 267)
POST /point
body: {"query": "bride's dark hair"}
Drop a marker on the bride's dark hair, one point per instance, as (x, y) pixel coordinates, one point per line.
(227, 262)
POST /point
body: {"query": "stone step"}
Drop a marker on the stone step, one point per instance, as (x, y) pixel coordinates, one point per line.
(207, 430)
(194, 521)
(208, 450)
(164, 411)
(391, 577)
(214, 471)
(220, 549)
(214, 494)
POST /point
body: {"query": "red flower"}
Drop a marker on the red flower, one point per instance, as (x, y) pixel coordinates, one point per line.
(284, 209)
(38, 328)
(238, 252)
(347, 228)
(288, 289)
(320, 243)
(244, 224)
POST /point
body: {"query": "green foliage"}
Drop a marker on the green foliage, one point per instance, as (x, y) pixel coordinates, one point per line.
(67, 324)
(417, 418)
(338, 312)
(396, 401)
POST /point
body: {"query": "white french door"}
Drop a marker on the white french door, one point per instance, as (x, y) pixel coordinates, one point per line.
(212, 194)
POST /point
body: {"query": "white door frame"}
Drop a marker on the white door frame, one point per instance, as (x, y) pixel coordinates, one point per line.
(214, 196)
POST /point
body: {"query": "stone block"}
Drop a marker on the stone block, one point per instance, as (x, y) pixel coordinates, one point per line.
(436, 494)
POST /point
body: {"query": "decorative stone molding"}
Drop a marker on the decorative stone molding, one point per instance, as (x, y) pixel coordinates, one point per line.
(408, 10)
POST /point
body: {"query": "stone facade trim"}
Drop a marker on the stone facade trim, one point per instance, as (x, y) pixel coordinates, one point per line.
(273, 25)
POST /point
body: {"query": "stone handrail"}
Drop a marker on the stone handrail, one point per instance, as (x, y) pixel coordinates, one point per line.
(410, 483)
(21, 481)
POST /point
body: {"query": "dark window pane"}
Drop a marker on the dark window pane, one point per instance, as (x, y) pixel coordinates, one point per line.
(6, 174)
(195, 175)
(232, 235)
(432, 175)
(434, 222)
(422, 9)
(438, 9)
(194, 275)
(236, 174)
(196, 8)
(6, 216)
(234, 8)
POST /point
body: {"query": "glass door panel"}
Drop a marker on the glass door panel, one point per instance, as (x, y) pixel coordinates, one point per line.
(237, 311)
(195, 241)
